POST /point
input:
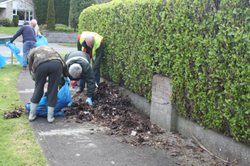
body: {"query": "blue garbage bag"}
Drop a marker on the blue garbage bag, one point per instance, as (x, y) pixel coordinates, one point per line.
(3, 60)
(63, 99)
(41, 41)
(64, 96)
(15, 50)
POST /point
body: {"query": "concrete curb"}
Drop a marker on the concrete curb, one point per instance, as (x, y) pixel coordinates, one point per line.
(222, 146)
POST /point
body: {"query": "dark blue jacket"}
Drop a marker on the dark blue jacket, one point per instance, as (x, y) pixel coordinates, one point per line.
(28, 33)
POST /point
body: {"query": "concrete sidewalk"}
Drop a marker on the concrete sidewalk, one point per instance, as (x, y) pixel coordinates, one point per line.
(66, 143)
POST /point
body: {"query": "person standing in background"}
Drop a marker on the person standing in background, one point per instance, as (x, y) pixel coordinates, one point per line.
(37, 32)
(29, 40)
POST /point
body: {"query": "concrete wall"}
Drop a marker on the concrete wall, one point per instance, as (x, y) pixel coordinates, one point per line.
(220, 145)
(165, 115)
(60, 37)
(138, 101)
(162, 112)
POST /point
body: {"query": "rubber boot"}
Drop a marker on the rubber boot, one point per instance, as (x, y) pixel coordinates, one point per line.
(33, 108)
(50, 116)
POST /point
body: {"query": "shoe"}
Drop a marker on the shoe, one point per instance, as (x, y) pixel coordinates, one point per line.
(24, 67)
(50, 115)
(78, 90)
(33, 108)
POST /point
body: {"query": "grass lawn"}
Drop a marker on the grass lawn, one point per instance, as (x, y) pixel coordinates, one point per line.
(63, 54)
(18, 145)
(9, 30)
(68, 45)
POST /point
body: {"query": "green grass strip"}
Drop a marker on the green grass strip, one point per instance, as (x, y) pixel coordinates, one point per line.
(9, 30)
(18, 145)
(68, 45)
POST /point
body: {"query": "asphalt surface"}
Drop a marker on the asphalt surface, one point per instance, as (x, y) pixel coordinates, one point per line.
(66, 143)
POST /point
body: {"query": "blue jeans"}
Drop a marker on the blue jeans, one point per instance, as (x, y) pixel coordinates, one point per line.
(81, 82)
(27, 46)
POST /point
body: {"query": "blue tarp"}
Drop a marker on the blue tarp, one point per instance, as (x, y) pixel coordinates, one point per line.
(41, 41)
(3, 60)
(15, 50)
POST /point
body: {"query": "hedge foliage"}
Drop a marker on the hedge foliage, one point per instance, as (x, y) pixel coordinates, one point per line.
(6, 22)
(64, 29)
(202, 46)
(51, 16)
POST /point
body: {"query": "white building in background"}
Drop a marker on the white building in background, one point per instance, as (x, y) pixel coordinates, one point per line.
(23, 8)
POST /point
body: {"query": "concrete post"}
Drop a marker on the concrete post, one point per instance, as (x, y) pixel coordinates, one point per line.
(162, 110)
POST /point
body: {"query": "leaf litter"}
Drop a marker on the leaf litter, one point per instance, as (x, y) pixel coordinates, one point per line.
(19, 110)
(115, 111)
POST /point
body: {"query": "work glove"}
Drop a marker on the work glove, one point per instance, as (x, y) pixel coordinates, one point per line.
(74, 83)
(89, 101)
(69, 105)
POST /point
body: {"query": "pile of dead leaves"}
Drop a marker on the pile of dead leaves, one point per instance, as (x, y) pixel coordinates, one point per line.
(113, 110)
(14, 114)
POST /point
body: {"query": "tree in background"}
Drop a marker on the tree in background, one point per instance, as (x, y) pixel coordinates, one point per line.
(76, 7)
(61, 11)
(15, 20)
(41, 7)
(51, 16)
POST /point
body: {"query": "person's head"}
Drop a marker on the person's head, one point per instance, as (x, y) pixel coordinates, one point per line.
(26, 23)
(33, 23)
(75, 70)
(90, 41)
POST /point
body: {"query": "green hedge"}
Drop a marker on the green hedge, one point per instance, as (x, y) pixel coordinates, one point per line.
(6, 22)
(204, 50)
(64, 29)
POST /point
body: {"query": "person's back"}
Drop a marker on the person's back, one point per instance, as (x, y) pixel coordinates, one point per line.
(29, 40)
(28, 33)
(78, 54)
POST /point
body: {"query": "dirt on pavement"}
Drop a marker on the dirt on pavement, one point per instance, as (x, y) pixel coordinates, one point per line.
(128, 125)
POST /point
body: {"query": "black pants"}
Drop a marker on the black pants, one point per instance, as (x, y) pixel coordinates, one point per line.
(53, 69)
